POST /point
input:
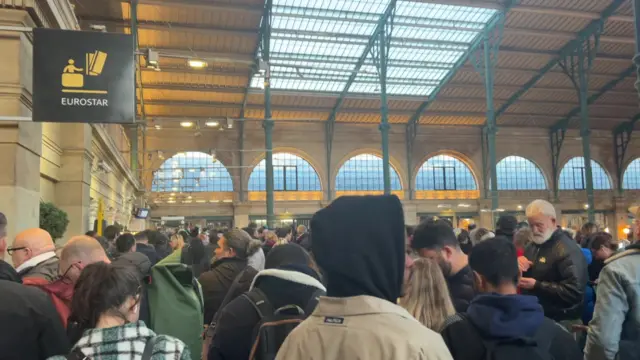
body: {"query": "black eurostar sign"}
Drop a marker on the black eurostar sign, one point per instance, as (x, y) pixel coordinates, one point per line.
(82, 76)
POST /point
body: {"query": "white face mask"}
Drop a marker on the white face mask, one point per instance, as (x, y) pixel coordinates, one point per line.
(542, 238)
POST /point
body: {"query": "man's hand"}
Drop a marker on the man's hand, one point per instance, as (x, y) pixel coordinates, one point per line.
(524, 264)
(527, 283)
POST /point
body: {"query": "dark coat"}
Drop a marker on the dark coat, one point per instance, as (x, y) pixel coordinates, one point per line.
(47, 270)
(304, 240)
(217, 281)
(135, 260)
(461, 288)
(493, 317)
(560, 270)
(150, 251)
(31, 328)
(235, 328)
(7, 272)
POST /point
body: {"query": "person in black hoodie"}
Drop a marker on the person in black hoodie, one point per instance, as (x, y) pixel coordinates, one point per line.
(500, 314)
(359, 244)
(436, 240)
(31, 328)
(288, 279)
(231, 262)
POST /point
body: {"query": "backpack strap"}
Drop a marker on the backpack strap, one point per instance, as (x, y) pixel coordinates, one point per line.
(313, 302)
(76, 354)
(148, 348)
(259, 301)
(211, 330)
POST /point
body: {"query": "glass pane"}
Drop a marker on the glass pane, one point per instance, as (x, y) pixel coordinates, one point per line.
(311, 39)
(444, 172)
(300, 175)
(518, 173)
(572, 176)
(364, 173)
(631, 178)
(192, 172)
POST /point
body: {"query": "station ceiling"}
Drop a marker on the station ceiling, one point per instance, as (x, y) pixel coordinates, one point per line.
(316, 45)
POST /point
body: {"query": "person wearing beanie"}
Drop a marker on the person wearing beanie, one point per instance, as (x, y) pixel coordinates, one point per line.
(359, 243)
(288, 279)
(232, 260)
(507, 226)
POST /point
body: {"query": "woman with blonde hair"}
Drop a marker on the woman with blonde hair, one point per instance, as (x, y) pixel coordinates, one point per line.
(427, 295)
(176, 242)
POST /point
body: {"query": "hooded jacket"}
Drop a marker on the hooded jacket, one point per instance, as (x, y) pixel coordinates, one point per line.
(149, 251)
(560, 270)
(217, 282)
(135, 260)
(31, 328)
(47, 270)
(359, 244)
(235, 328)
(59, 292)
(493, 317)
(614, 332)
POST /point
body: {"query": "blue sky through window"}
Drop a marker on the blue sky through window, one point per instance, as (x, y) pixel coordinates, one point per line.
(315, 44)
(572, 176)
(631, 178)
(364, 173)
(191, 172)
(518, 173)
(444, 172)
(290, 173)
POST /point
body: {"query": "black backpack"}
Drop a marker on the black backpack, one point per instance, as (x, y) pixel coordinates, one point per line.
(275, 324)
(516, 349)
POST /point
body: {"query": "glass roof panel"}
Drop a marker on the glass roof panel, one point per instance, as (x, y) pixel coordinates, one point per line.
(316, 44)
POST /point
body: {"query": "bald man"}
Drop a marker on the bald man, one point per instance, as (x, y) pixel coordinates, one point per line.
(33, 255)
(77, 253)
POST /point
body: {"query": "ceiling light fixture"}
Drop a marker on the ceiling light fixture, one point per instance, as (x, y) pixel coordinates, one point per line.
(519, 207)
(464, 205)
(227, 201)
(586, 206)
(186, 124)
(212, 123)
(158, 127)
(197, 63)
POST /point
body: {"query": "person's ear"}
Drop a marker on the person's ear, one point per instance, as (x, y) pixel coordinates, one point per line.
(447, 252)
(478, 282)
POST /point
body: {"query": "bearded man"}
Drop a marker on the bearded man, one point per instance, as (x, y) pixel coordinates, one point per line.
(554, 268)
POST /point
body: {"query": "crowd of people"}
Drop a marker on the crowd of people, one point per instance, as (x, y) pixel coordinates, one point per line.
(359, 284)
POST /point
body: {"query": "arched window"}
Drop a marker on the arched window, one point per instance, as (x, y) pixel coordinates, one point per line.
(631, 178)
(518, 173)
(290, 173)
(572, 176)
(444, 172)
(364, 173)
(191, 172)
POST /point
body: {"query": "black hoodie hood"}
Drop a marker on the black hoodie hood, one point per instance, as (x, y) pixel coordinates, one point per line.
(358, 242)
(506, 316)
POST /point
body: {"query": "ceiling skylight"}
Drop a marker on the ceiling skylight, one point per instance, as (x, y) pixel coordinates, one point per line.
(316, 49)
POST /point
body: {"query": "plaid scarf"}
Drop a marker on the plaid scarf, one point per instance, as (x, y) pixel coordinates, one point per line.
(127, 342)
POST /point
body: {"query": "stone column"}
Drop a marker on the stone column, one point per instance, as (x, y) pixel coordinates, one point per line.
(241, 215)
(20, 142)
(73, 190)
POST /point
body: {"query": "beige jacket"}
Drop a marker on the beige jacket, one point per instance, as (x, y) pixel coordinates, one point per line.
(362, 327)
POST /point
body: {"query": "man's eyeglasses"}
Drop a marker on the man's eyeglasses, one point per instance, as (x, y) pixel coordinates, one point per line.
(11, 250)
(65, 278)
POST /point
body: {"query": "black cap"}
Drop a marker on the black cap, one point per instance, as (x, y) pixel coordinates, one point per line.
(507, 223)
